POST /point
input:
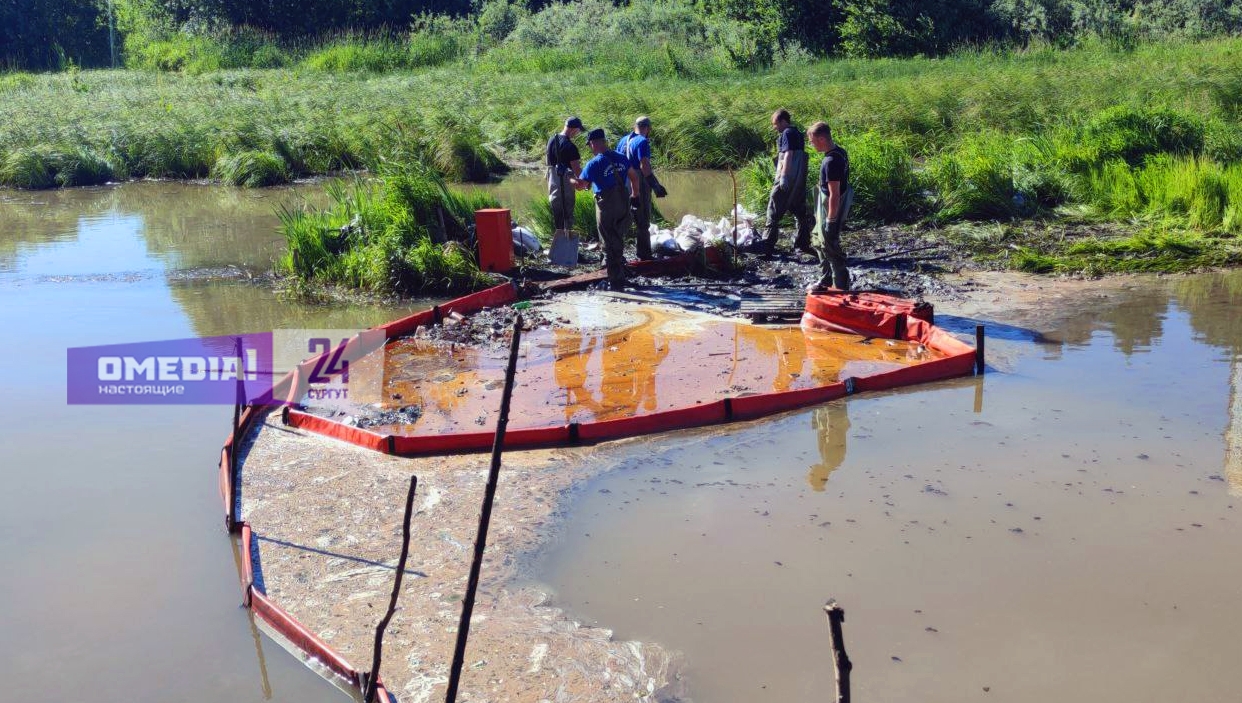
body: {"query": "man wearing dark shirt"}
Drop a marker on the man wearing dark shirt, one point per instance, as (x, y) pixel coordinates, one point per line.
(616, 187)
(832, 202)
(564, 163)
(789, 191)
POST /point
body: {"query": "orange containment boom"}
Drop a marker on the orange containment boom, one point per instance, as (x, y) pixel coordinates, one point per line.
(866, 314)
(870, 315)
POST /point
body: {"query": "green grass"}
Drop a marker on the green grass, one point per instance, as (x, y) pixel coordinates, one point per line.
(392, 236)
(471, 115)
(252, 169)
(538, 217)
(1147, 251)
(44, 166)
(1147, 134)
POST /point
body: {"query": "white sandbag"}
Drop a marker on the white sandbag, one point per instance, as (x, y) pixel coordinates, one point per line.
(525, 243)
(688, 242)
(663, 244)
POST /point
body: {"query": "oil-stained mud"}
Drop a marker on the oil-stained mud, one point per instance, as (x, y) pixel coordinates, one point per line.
(585, 359)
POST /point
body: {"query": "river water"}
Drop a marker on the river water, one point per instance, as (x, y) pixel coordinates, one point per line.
(1066, 528)
(121, 584)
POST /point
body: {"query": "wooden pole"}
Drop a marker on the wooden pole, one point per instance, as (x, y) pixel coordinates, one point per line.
(485, 517)
(979, 350)
(840, 660)
(372, 679)
(235, 450)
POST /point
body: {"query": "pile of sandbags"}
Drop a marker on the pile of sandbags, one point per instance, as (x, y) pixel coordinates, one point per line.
(694, 233)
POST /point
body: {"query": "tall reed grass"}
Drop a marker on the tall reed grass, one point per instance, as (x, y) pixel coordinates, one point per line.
(391, 236)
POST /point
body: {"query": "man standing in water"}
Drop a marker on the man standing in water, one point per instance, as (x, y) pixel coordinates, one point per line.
(616, 187)
(564, 163)
(789, 191)
(833, 197)
(636, 147)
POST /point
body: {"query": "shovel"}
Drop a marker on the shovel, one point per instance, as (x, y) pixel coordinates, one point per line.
(564, 250)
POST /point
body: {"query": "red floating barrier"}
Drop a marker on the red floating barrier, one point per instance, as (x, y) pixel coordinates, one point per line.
(867, 314)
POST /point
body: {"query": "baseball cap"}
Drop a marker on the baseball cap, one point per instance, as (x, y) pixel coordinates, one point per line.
(597, 133)
(575, 122)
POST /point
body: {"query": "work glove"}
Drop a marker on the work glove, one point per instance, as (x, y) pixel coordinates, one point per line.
(657, 187)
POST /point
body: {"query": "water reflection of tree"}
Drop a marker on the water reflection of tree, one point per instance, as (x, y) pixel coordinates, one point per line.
(232, 307)
(1212, 303)
(44, 217)
(832, 426)
(187, 225)
(1135, 318)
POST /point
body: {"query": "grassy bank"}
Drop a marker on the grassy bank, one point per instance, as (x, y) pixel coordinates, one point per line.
(465, 114)
(396, 235)
(1143, 134)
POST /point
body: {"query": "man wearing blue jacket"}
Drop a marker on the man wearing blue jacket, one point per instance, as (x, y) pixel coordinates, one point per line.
(636, 147)
(616, 188)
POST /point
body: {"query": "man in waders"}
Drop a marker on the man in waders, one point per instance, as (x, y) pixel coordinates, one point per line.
(616, 187)
(833, 198)
(789, 191)
(564, 163)
(636, 147)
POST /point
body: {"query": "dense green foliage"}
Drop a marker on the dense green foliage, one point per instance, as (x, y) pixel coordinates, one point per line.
(1077, 116)
(385, 237)
(660, 35)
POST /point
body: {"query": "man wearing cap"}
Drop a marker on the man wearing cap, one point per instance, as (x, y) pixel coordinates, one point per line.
(564, 162)
(789, 192)
(616, 187)
(636, 147)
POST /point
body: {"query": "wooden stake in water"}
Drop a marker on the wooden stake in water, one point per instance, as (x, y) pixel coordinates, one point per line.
(840, 660)
(372, 679)
(979, 363)
(489, 495)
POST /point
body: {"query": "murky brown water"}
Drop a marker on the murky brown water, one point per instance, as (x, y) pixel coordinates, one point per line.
(119, 581)
(658, 359)
(1067, 530)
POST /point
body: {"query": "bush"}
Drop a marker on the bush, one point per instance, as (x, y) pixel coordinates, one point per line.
(384, 238)
(29, 167)
(1132, 134)
(252, 169)
(886, 188)
(45, 166)
(353, 54)
(203, 53)
(82, 167)
(975, 180)
(456, 148)
(703, 138)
